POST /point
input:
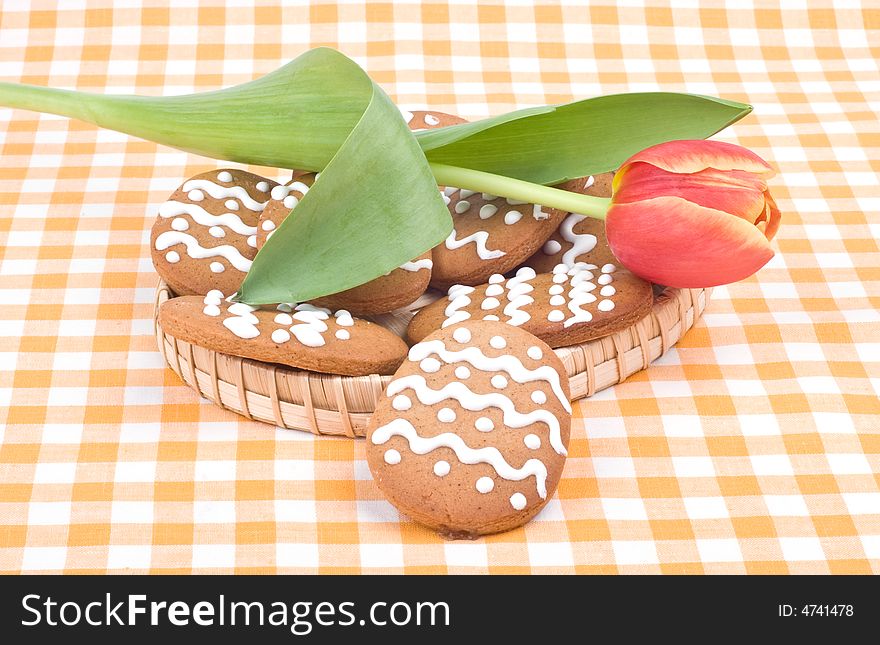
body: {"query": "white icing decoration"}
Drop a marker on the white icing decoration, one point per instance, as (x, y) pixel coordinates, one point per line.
(417, 265)
(462, 335)
(445, 199)
(490, 303)
(441, 468)
(499, 382)
(243, 322)
(609, 268)
(560, 268)
(449, 190)
(252, 241)
(430, 119)
(466, 455)
(555, 316)
(179, 224)
(401, 403)
(430, 365)
(446, 415)
(479, 239)
(556, 289)
(514, 202)
(605, 278)
(392, 457)
(290, 202)
(538, 214)
(557, 301)
(517, 288)
(590, 181)
(464, 193)
(605, 305)
(263, 186)
(268, 225)
(284, 319)
(494, 290)
(217, 267)
(492, 317)
(607, 291)
(342, 334)
(213, 297)
(489, 197)
(559, 278)
(224, 176)
(198, 252)
(498, 342)
(535, 352)
(280, 336)
(216, 231)
(532, 441)
(223, 192)
(173, 257)
(313, 325)
(496, 278)
(279, 192)
(285, 307)
(195, 195)
(485, 485)
(462, 206)
(230, 205)
(580, 244)
(518, 501)
(204, 218)
(458, 297)
(343, 318)
(211, 310)
(470, 400)
(512, 217)
(539, 397)
(552, 247)
(462, 373)
(484, 424)
(488, 210)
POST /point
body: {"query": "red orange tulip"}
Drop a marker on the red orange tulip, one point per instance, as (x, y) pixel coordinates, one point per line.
(692, 213)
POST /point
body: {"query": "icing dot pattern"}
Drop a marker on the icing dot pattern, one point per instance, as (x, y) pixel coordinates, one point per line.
(572, 289)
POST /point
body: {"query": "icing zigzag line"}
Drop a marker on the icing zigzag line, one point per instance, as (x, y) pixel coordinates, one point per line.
(474, 402)
(506, 363)
(466, 455)
(199, 252)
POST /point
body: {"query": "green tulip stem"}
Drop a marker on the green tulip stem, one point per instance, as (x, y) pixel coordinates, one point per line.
(484, 182)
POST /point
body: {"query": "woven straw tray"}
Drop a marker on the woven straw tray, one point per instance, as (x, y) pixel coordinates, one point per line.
(342, 405)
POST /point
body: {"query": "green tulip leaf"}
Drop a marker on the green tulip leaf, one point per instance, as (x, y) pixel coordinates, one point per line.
(553, 144)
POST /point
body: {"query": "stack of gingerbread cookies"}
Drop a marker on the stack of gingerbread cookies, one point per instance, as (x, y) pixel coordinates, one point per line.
(472, 433)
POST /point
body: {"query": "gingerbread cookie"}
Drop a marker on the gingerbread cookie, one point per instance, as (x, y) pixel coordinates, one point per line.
(418, 120)
(205, 235)
(383, 294)
(566, 307)
(579, 238)
(471, 436)
(301, 336)
(491, 235)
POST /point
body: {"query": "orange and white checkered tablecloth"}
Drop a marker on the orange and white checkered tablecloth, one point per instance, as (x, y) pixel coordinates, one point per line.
(753, 446)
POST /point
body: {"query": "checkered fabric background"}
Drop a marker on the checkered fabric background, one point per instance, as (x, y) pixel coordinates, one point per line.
(753, 446)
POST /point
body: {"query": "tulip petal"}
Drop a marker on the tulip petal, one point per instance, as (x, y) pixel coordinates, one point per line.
(673, 242)
(735, 192)
(687, 156)
(771, 216)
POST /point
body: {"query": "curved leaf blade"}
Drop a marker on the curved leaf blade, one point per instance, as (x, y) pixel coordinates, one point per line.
(373, 207)
(551, 145)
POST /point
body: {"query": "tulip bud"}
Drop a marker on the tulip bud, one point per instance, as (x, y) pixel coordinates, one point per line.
(692, 214)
